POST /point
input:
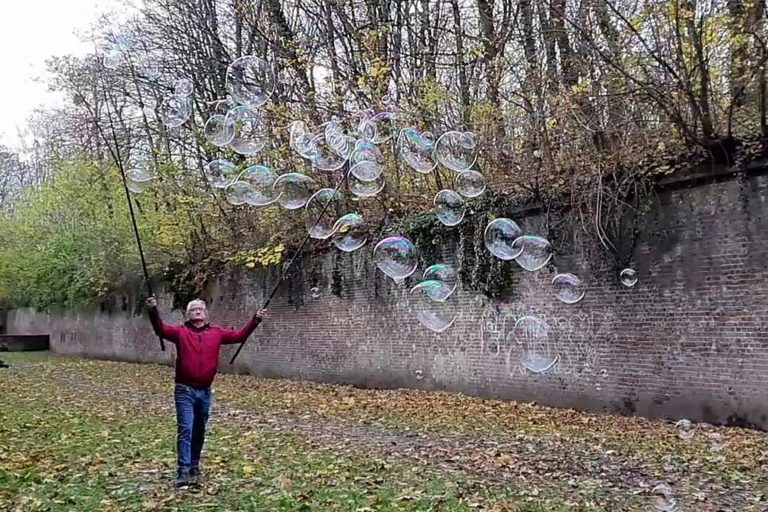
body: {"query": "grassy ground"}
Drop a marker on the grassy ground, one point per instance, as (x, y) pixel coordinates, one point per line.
(79, 435)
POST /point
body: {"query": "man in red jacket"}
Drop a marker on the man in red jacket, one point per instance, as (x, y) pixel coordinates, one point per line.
(197, 357)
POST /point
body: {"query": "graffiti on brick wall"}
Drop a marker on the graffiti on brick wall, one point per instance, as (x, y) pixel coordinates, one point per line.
(577, 339)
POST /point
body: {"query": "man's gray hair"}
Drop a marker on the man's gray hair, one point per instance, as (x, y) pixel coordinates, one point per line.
(194, 303)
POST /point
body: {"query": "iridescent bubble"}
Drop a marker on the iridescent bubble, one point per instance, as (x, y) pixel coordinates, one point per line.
(685, 429)
(568, 288)
(449, 207)
(293, 190)
(628, 277)
(220, 173)
(174, 111)
(349, 232)
(262, 180)
(251, 131)
(662, 499)
(536, 252)
(417, 149)
(238, 193)
(366, 151)
(250, 81)
(436, 316)
(500, 235)
(367, 171)
(321, 212)
(396, 256)
(218, 131)
(532, 344)
(314, 292)
(470, 183)
(445, 274)
(365, 188)
(222, 107)
(301, 140)
(183, 87)
(378, 128)
(341, 144)
(451, 150)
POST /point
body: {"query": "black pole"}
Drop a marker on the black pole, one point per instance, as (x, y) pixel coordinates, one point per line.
(295, 255)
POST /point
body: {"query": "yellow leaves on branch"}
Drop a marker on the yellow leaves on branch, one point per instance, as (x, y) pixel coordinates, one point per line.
(265, 256)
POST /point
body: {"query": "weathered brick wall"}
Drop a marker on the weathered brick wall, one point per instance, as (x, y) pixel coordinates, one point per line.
(689, 340)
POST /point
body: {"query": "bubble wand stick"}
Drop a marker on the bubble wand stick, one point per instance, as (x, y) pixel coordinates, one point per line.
(296, 254)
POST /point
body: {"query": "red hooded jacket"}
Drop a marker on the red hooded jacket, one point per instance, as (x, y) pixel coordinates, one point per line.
(197, 348)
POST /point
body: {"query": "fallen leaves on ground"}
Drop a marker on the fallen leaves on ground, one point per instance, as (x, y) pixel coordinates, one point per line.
(98, 435)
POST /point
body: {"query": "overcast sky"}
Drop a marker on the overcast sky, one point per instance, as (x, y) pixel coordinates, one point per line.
(30, 32)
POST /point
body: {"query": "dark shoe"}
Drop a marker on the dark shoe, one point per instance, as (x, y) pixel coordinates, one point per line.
(182, 480)
(195, 479)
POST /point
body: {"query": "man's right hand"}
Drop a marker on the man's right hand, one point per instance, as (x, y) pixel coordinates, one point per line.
(152, 302)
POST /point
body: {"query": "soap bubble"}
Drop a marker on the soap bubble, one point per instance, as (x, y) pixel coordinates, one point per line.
(457, 151)
(470, 183)
(445, 274)
(396, 256)
(221, 107)
(218, 131)
(250, 81)
(262, 180)
(531, 341)
(324, 156)
(449, 207)
(112, 59)
(293, 190)
(341, 144)
(175, 110)
(367, 171)
(138, 180)
(500, 235)
(149, 67)
(220, 173)
(349, 232)
(568, 288)
(435, 315)
(662, 499)
(628, 277)
(378, 128)
(365, 188)
(183, 87)
(301, 140)
(417, 149)
(366, 151)
(685, 429)
(318, 207)
(250, 130)
(314, 292)
(536, 252)
(238, 193)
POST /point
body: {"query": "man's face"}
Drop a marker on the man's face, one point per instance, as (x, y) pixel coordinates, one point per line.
(197, 313)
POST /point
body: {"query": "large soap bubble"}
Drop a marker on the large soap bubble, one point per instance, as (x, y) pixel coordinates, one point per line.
(456, 150)
(365, 188)
(138, 180)
(663, 499)
(445, 274)
(396, 256)
(500, 235)
(435, 315)
(536, 252)
(250, 130)
(262, 180)
(239, 193)
(218, 131)
(378, 128)
(175, 110)
(293, 190)
(449, 207)
(349, 232)
(417, 149)
(183, 87)
(250, 81)
(220, 173)
(321, 212)
(470, 183)
(568, 288)
(367, 161)
(301, 140)
(324, 156)
(530, 339)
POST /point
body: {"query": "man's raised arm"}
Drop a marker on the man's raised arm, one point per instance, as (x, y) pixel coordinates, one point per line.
(168, 332)
(232, 337)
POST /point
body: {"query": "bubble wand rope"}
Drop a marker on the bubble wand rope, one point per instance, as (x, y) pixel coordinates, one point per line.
(296, 254)
(119, 162)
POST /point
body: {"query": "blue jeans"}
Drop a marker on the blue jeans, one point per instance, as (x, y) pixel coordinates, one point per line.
(192, 409)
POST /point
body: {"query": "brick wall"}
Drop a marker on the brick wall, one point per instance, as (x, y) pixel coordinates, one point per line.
(689, 340)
